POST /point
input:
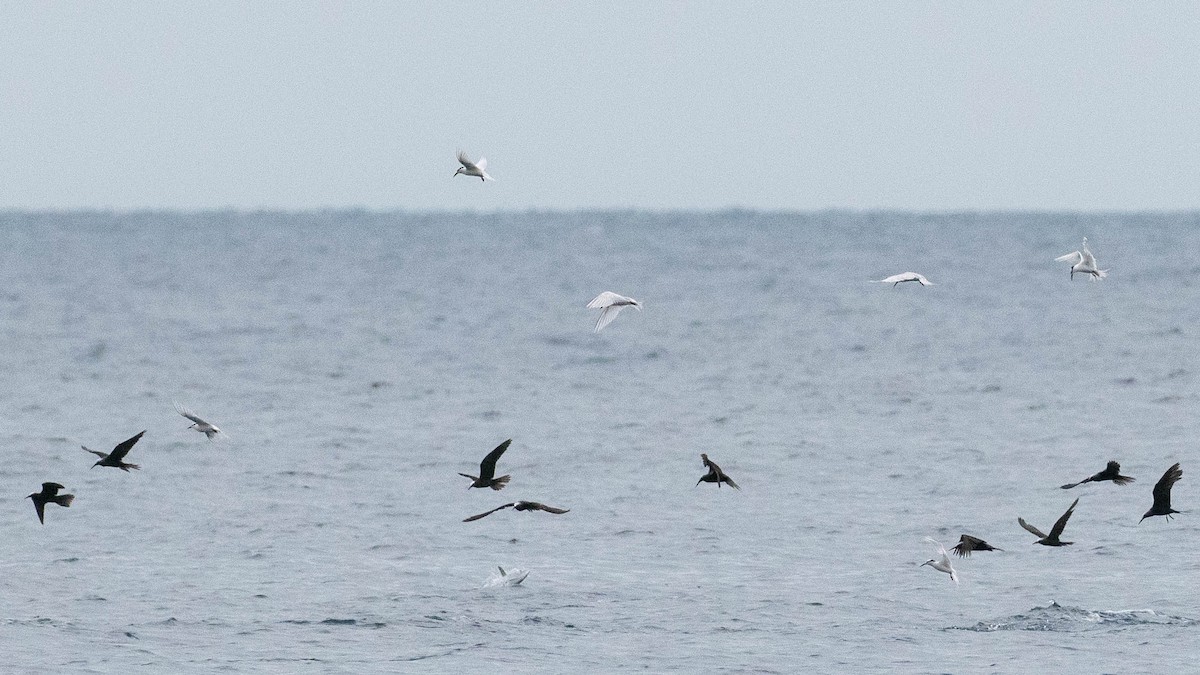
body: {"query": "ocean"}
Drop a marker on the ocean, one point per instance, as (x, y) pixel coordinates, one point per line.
(359, 360)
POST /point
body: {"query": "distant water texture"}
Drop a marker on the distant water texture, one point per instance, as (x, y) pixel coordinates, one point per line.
(359, 361)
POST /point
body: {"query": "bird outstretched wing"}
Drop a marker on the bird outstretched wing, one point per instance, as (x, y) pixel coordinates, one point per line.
(1074, 257)
(462, 159)
(607, 316)
(487, 468)
(187, 413)
(125, 446)
(542, 507)
(605, 299)
(1162, 489)
(1061, 523)
(966, 544)
(97, 453)
(488, 513)
(1032, 530)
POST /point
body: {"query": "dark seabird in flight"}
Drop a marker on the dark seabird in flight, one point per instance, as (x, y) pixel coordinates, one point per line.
(114, 458)
(49, 494)
(1162, 493)
(487, 469)
(1051, 539)
(967, 543)
(1111, 472)
(715, 474)
(520, 506)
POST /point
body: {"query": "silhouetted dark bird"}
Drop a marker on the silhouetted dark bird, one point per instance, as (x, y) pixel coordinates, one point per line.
(1111, 472)
(715, 474)
(1162, 493)
(1052, 538)
(967, 543)
(520, 506)
(114, 458)
(487, 469)
(49, 494)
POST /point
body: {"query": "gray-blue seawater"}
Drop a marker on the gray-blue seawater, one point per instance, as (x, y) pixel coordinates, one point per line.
(358, 361)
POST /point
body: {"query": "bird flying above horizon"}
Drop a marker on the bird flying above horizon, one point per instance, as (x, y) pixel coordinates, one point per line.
(469, 168)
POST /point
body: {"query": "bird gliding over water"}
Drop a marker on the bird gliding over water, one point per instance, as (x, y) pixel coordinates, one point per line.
(897, 279)
(1162, 493)
(1052, 538)
(198, 424)
(49, 494)
(520, 506)
(114, 458)
(715, 474)
(487, 469)
(1111, 472)
(469, 168)
(967, 543)
(612, 304)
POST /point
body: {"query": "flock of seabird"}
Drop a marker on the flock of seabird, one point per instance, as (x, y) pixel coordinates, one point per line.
(610, 305)
(114, 459)
(1160, 507)
(1082, 261)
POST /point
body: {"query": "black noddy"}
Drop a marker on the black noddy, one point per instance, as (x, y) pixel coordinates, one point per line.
(520, 506)
(487, 469)
(1111, 472)
(114, 458)
(715, 474)
(49, 494)
(967, 543)
(1051, 539)
(1162, 493)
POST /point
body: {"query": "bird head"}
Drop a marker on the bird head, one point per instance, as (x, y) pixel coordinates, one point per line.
(460, 170)
(97, 464)
(928, 562)
(32, 496)
(1146, 515)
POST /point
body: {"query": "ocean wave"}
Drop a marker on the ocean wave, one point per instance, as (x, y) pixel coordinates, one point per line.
(1055, 617)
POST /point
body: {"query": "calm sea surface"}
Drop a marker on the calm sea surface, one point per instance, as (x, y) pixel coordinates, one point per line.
(358, 361)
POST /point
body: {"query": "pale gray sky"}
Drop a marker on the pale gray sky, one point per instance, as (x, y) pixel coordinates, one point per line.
(910, 105)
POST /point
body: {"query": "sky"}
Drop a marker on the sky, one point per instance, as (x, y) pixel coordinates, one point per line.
(649, 105)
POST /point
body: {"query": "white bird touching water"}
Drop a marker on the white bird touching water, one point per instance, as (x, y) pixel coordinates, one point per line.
(469, 168)
(612, 304)
(942, 565)
(1083, 262)
(897, 279)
